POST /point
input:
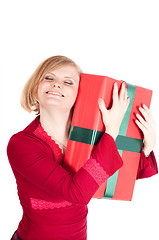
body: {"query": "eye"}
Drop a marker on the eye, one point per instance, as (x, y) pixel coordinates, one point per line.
(68, 82)
(49, 78)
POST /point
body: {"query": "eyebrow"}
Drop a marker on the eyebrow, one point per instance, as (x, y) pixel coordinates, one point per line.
(69, 77)
(50, 73)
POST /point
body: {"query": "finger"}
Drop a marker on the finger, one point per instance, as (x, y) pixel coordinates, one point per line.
(127, 103)
(142, 121)
(147, 110)
(145, 114)
(115, 93)
(101, 105)
(142, 128)
(145, 107)
(126, 95)
(123, 92)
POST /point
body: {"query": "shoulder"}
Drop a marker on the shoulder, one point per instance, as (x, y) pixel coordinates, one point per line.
(25, 143)
(25, 149)
(26, 139)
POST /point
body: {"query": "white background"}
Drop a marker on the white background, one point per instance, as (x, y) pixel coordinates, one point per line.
(118, 39)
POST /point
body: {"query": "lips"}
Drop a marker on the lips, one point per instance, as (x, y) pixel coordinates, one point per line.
(55, 93)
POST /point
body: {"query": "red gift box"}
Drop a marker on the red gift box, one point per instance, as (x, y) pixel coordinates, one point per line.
(87, 128)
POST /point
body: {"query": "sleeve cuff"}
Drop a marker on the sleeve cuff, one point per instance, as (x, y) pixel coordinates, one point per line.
(148, 166)
(106, 153)
(96, 171)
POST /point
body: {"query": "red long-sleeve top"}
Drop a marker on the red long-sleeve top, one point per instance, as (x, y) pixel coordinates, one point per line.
(54, 201)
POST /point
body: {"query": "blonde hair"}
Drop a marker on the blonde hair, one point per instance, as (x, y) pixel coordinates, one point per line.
(28, 97)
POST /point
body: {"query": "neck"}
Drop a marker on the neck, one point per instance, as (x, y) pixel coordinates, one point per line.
(56, 123)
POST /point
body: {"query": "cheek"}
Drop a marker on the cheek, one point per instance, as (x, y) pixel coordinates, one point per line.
(38, 93)
(40, 89)
(74, 95)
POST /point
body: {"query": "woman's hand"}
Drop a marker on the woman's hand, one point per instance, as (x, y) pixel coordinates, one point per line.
(113, 117)
(147, 125)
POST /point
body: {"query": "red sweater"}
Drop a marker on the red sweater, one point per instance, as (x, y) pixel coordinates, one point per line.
(55, 202)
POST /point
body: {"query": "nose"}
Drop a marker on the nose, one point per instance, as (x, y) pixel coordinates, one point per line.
(56, 84)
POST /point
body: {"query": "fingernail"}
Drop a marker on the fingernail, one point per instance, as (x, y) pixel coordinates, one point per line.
(144, 106)
(100, 100)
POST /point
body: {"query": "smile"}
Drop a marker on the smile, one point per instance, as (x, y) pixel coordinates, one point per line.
(55, 93)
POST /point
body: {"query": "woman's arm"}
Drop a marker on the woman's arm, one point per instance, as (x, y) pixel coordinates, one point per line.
(148, 165)
(34, 161)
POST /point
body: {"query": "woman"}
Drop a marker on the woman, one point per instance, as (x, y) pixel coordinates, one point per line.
(55, 202)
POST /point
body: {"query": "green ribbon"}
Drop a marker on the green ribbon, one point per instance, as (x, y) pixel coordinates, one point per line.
(92, 137)
(85, 135)
(111, 182)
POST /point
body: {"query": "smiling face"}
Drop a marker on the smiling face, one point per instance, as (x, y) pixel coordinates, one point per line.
(59, 88)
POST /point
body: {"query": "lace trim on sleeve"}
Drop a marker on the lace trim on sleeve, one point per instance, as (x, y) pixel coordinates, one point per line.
(41, 204)
(96, 171)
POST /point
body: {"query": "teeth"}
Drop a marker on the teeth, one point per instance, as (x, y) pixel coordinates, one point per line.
(55, 93)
